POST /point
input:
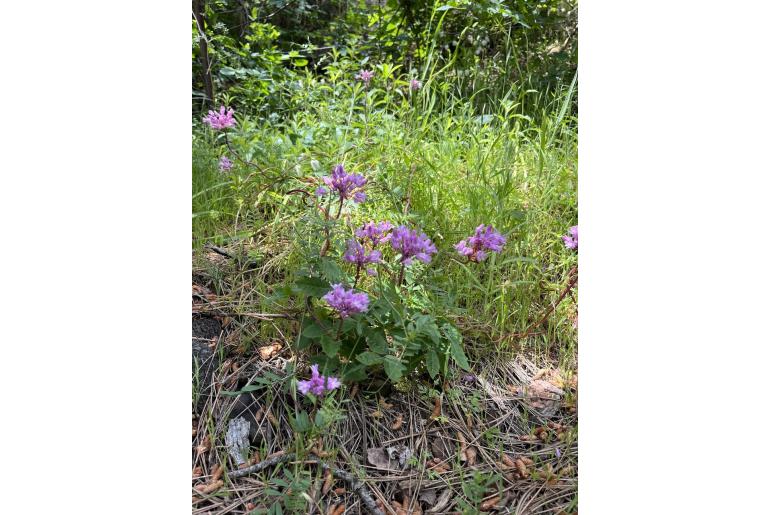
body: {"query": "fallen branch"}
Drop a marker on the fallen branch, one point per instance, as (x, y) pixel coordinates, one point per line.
(356, 485)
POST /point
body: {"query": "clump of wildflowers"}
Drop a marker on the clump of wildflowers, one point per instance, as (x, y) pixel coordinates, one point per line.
(415, 84)
(571, 238)
(225, 164)
(356, 254)
(220, 120)
(365, 76)
(486, 239)
(346, 185)
(376, 233)
(318, 384)
(412, 245)
(346, 302)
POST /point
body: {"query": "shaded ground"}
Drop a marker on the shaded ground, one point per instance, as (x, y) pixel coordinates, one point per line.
(502, 440)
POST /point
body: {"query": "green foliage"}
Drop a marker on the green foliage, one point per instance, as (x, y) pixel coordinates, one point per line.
(489, 138)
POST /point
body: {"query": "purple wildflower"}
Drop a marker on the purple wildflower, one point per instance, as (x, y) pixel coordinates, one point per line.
(346, 185)
(318, 384)
(225, 164)
(558, 452)
(486, 239)
(469, 378)
(365, 76)
(571, 238)
(356, 253)
(321, 191)
(346, 302)
(375, 232)
(220, 120)
(412, 245)
(415, 84)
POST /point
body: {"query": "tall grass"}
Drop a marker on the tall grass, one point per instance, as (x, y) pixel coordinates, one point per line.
(436, 159)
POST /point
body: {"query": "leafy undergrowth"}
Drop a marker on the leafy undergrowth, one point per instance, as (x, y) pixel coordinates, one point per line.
(501, 438)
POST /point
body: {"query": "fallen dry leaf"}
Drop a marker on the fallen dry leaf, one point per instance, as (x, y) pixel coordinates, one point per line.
(490, 504)
(272, 418)
(470, 454)
(268, 351)
(197, 471)
(398, 422)
(339, 491)
(211, 487)
(443, 501)
(378, 457)
(218, 470)
(521, 468)
(527, 461)
(204, 446)
(385, 404)
(463, 445)
(436, 408)
(327, 483)
(507, 461)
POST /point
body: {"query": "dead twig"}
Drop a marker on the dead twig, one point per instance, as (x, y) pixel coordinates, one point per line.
(356, 485)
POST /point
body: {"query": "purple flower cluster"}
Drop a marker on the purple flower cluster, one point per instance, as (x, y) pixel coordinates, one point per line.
(318, 384)
(365, 76)
(415, 84)
(225, 164)
(412, 245)
(346, 302)
(376, 233)
(486, 239)
(346, 185)
(356, 253)
(220, 120)
(571, 238)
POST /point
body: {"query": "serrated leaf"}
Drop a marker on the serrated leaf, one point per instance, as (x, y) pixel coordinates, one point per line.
(369, 358)
(312, 286)
(330, 346)
(302, 422)
(313, 331)
(432, 363)
(377, 342)
(331, 271)
(354, 373)
(393, 368)
(455, 346)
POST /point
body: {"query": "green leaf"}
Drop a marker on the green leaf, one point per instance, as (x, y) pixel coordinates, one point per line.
(393, 368)
(377, 342)
(312, 286)
(369, 358)
(313, 330)
(331, 270)
(320, 418)
(455, 346)
(330, 346)
(354, 373)
(300, 62)
(302, 422)
(432, 363)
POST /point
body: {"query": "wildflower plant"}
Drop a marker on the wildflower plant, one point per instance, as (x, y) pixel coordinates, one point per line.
(363, 318)
(571, 238)
(484, 240)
